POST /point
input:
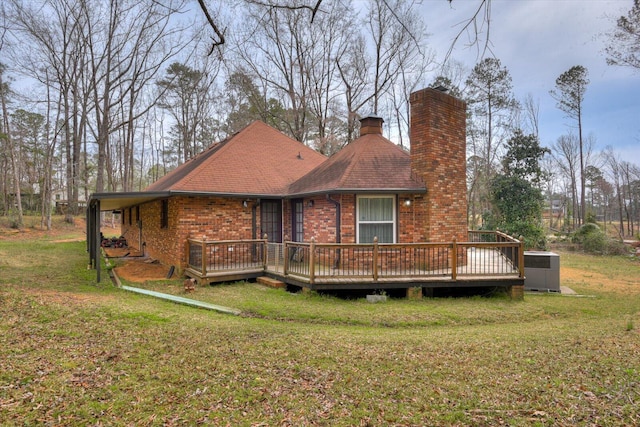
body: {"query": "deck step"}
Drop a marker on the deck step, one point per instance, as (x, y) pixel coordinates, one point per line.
(272, 283)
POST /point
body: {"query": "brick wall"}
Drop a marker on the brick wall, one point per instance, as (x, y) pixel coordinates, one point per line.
(159, 243)
(213, 218)
(319, 220)
(412, 219)
(438, 154)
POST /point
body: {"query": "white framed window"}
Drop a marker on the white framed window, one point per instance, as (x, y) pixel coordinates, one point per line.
(376, 216)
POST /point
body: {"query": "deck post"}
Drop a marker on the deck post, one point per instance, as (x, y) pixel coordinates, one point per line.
(521, 257)
(375, 259)
(454, 260)
(187, 252)
(204, 257)
(312, 261)
(265, 254)
(285, 254)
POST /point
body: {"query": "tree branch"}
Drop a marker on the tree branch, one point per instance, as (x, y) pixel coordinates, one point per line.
(213, 25)
(473, 21)
(314, 9)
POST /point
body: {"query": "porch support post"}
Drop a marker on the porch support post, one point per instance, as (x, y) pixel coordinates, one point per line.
(187, 251)
(97, 240)
(454, 260)
(516, 292)
(312, 261)
(375, 259)
(414, 293)
(94, 243)
(521, 257)
(265, 255)
(204, 256)
(286, 257)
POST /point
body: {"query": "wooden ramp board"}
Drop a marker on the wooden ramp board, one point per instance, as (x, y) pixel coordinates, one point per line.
(272, 283)
(185, 301)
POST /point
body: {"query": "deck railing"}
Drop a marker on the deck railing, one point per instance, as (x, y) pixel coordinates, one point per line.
(485, 253)
(211, 256)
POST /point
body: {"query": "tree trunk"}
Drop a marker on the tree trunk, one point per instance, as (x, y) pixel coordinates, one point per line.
(12, 152)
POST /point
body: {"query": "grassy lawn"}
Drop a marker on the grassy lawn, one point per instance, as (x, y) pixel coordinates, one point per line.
(73, 352)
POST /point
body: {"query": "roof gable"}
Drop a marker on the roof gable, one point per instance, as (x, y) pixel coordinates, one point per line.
(258, 160)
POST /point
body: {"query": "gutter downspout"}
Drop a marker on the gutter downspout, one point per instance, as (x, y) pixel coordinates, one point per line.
(336, 263)
(254, 226)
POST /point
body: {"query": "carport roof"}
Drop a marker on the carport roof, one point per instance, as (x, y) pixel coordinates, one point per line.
(120, 200)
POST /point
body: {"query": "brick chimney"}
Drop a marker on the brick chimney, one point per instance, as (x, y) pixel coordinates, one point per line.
(371, 125)
(438, 155)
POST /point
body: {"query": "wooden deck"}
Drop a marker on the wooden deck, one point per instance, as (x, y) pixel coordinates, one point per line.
(491, 269)
(488, 259)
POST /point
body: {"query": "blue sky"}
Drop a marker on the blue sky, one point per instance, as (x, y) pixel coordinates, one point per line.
(537, 40)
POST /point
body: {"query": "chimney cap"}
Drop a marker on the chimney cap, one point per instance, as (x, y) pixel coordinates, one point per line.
(441, 88)
(371, 116)
(371, 124)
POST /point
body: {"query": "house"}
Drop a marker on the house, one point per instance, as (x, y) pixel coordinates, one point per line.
(259, 184)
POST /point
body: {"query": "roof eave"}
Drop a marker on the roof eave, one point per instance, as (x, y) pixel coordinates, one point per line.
(416, 190)
(121, 200)
(228, 194)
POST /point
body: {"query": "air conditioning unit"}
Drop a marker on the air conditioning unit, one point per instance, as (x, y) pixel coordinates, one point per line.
(541, 271)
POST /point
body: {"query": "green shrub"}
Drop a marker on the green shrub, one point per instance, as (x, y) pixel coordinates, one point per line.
(582, 232)
(594, 241)
(615, 247)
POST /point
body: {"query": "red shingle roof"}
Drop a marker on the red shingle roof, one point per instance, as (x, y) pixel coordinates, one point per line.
(258, 160)
(370, 163)
(261, 161)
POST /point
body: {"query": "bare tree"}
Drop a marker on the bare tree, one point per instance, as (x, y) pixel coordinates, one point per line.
(397, 65)
(614, 165)
(125, 52)
(414, 61)
(14, 153)
(51, 134)
(531, 112)
(187, 94)
(335, 31)
(566, 153)
(624, 42)
(352, 65)
(276, 50)
(99, 56)
(54, 57)
(394, 31)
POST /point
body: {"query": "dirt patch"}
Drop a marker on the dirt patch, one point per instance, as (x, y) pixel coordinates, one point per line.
(134, 267)
(140, 270)
(122, 252)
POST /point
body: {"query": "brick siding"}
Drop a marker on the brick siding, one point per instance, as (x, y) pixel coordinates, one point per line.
(212, 218)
